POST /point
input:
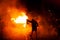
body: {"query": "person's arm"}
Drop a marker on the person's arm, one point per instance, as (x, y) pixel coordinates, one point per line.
(28, 21)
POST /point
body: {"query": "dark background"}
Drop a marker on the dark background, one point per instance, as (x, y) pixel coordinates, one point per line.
(42, 5)
(48, 8)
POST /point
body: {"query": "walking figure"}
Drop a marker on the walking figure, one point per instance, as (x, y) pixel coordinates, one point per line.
(34, 27)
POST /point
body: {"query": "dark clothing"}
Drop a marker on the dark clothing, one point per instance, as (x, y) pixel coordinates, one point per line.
(34, 25)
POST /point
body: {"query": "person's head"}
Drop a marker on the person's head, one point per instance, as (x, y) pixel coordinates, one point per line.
(32, 19)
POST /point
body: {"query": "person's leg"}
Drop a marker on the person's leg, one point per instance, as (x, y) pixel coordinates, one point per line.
(31, 35)
(36, 33)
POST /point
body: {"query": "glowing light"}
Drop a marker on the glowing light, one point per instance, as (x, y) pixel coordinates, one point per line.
(20, 19)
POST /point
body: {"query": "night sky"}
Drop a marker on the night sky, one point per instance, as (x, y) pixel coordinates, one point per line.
(40, 5)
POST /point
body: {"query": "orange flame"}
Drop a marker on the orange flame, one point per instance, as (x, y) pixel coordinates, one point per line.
(20, 19)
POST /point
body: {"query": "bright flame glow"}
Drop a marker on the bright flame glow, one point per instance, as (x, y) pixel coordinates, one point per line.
(20, 20)
(16, 26)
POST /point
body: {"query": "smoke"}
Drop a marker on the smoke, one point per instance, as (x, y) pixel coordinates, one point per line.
(6, 6)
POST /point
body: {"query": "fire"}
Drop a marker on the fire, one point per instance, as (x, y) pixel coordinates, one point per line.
(20, 19)
(16, 24)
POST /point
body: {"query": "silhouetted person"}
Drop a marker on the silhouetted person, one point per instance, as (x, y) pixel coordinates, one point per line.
(34, 26)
